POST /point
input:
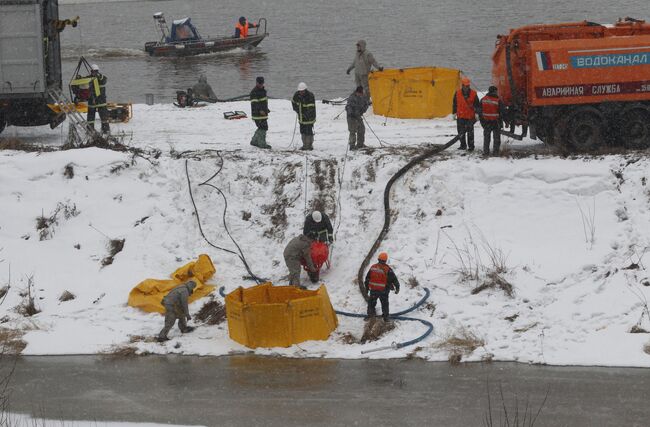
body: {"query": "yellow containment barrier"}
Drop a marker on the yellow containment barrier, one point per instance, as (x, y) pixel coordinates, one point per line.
(279, 316)
(413, 93)
(148, 294)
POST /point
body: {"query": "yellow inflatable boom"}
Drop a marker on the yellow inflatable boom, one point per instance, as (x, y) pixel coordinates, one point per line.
(148, 294)
(413, 93)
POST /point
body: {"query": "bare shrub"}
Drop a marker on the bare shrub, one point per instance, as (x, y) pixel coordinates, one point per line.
(125, 352)
(646, 348)
(213, 312)
(68, 171)
(375, 328)
(115, 246)
(66, 296)
(513, 417)
(45, 224)
(455, 358)
(588, 217)
(28, 307)
(348, 338)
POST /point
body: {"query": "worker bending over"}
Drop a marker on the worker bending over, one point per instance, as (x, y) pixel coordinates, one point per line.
(298, 251)
(175, 303)
(465, 108)
(379, 282)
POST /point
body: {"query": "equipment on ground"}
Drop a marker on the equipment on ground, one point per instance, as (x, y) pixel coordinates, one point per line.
(184, 40)
(30, 63)
(233, 115)
(583, 85)
(320, 253)
(279, 316)
(413, 93)
(148, 294)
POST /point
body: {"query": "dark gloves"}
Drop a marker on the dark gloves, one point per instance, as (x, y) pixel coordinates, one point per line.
(396, 291)
(381, 68)
(348, 70)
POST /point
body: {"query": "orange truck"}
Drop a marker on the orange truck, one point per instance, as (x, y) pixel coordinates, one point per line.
(580, 85)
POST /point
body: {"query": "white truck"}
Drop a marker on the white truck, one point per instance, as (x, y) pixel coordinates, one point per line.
(30, 62)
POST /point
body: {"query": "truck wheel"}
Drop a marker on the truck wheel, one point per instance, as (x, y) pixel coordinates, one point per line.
(635, 128)
(584, 130)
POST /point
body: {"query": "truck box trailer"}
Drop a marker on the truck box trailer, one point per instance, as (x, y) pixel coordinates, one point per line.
(30, 62)
(583, 85)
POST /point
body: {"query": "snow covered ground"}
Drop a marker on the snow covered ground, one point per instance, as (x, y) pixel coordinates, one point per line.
(569, 235)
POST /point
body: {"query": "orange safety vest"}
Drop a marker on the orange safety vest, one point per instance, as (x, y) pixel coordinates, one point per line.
(465, 107)
(378, 277)
(490, 108)
(243, 30)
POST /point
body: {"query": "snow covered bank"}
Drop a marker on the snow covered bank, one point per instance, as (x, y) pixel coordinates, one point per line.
(569, 235)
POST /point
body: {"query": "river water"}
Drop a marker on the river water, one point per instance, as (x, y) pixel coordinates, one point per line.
(262, 391)
(310, 40)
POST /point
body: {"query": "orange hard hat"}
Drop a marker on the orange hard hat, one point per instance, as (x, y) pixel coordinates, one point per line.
(465, 81)
(383, 256)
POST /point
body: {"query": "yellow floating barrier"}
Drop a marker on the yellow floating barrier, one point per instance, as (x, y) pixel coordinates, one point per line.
(279, 316)
(413, 93)
(148, 294)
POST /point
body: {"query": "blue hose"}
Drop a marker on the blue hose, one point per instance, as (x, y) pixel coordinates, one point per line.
(395, 316)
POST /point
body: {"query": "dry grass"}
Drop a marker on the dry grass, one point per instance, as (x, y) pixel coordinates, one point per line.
(3, 291)
(213, 312)
(11, 341)
(125, 352)
(413, 282)
(646, 348)
(413, 354)
(375, 328)
(460, 343)
(526, 328)
(19, 145)
(348, 338)
(494, 280)
(115, 246)
(28, 307)
(67, 296)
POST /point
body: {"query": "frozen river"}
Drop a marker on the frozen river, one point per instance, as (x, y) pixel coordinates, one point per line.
(259, 391)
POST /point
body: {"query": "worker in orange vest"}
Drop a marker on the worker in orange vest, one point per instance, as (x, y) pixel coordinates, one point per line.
(491, 113)
(466, 107)
(379, 282)
(241, 28)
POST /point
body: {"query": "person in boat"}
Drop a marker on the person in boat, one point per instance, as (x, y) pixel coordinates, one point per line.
(241, 28)
(203, 91)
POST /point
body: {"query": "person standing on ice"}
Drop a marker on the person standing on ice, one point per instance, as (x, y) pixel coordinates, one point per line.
(259, 113)
(362, 64)
(379, 282)
(318, 224)
(304, 105)
(491, 114)
(355, 108)
(298, 251)
(465, 108)
(175, 303)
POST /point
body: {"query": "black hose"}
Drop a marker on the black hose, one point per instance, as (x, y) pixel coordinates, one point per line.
(240, 255)
(384, 230)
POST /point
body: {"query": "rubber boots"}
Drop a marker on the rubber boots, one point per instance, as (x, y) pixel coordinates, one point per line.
(263, 143)
(307, 142)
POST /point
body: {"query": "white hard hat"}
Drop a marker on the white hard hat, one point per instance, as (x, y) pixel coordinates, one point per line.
(316, 216)
(94, 67)
(302, 86)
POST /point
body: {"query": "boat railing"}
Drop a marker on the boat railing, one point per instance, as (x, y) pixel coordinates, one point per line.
(259, 22)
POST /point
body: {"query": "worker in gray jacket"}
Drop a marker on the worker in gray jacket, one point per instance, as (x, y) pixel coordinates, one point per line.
(362, 64)
(175, 303)
(298, 251)
(355, 108)
(203, 91)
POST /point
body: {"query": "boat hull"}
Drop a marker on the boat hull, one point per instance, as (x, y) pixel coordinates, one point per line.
(199, 47)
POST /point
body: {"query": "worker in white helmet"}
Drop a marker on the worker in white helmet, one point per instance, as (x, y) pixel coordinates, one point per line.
(97, 100)
(304, 105)
(318, 224)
